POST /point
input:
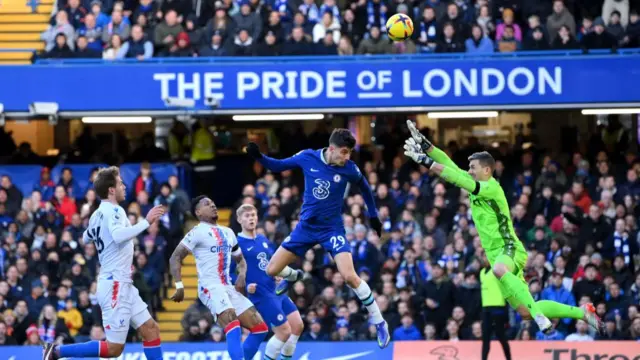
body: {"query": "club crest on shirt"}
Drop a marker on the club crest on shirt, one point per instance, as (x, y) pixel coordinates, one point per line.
(337, 178)
(265, 245)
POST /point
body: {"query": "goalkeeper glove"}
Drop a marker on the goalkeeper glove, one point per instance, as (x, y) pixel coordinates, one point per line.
(415, 152)
(253, 150)
(420, 139)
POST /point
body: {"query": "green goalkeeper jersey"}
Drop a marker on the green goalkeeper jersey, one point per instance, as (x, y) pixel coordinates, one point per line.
(489, 207)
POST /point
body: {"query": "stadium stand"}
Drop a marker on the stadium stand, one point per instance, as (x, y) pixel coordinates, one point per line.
(21, 23)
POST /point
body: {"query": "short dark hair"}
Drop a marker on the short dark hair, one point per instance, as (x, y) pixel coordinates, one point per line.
(105, 179)
(342, 138)
(484, 158)
(194, 203)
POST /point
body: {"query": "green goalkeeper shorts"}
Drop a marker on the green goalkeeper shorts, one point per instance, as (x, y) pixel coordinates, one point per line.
(515, 263)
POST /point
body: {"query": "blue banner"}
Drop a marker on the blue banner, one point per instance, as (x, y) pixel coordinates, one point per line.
(328, 83)
(213, 351)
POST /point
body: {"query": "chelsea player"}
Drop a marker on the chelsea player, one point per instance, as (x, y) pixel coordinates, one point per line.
(326, 174)
(277, 310)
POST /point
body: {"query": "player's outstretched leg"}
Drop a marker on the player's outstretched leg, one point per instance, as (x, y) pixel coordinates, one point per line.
(586, 312)
(344, 261)
(297, 326)
(231, 325)
(258, 329)
(514, 288)
(91, 349)
(278, 266)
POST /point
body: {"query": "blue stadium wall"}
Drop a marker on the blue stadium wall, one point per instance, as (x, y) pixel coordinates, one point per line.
(330, 84)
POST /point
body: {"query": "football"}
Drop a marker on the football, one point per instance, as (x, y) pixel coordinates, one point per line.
(399, 27)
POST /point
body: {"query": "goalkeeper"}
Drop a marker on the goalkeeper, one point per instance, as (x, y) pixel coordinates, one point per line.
(490, 212)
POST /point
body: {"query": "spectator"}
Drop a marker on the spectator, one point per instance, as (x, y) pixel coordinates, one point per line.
(243, 43)
(71, 186)
(165, 35)
(478, 43)
(71, 317)
(315, 332)
(632, 35)
(268, 47)
(344, 47)
(407, 331)
(611, 331)
(274, 26)
(485, 21)
(96, 9)
(50, 327)
(309, 9)
(350, 28)
(75, 13)
(403, 47)
(83, 51)
(63, 204)
(536, 40)
(581, 333)
(587, 27)
(561, 16)
(326, 46)
(449, 43)
(564, 40)
(181, 7)
(14, 196)
(461, 28)
(328, 24)
(620, 6)
(117, 26)
(137, 46)
(589, 285)
(248, 20)
(297, 44)
(614, 27)
(61, 25)
(598, 38)
(6, 339)
(427, 36)
(508, 43)
(508, 21)
(148, 10)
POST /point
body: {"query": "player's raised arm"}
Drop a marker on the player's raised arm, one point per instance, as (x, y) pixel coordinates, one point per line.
(121, 233)
(369, 200)
(272, 164)
(429, 149)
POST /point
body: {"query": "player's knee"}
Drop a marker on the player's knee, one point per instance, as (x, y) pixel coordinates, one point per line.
(283, 331)
(352, 279)
(272, 269)
(150, 330)
(297, 327)
(499, 270)
(114, 350)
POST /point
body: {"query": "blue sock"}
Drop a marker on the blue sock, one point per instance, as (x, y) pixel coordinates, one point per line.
(253, 341)
(234, 340)
(92, 349)
(285, 357)
(152, 349)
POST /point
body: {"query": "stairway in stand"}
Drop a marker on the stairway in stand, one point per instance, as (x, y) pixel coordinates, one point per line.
(169, 320)
(21, 22)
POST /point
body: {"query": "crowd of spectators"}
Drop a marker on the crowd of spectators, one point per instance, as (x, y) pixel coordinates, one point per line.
(143, 29)
(47, 273)
(577, 217)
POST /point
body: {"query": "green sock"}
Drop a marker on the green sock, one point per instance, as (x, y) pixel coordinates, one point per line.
(518, 289)
(556, 310)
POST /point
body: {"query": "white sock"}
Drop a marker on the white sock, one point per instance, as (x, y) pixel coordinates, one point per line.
(290, 347)
(274, 346)
(366, 296)
(288, 274)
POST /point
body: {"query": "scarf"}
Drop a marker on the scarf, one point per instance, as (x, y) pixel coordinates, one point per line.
(332, 9)
(371, 16)
(551, 256)
(47, 333)
(621, 246)
(444, 259)
(311, 11)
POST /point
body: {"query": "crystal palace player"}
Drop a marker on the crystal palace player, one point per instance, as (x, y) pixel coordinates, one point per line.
(326, 172)
(490, 212)
(109, 229)
(277, 310)
(213, 246)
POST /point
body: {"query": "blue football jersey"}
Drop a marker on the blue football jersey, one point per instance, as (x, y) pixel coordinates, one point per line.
(324, 185)
(257, 253)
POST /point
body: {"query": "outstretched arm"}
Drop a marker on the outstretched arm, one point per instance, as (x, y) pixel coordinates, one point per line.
(270, 163)
(367, 194)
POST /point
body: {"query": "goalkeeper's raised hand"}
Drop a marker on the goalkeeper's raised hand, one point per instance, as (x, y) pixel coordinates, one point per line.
(415, 152)
(420, 139)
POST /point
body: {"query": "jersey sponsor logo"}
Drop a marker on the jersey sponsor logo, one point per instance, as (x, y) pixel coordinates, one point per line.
(337, 178)
(262, 261)
(220, 249)
(314, 170)
(321, 191)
